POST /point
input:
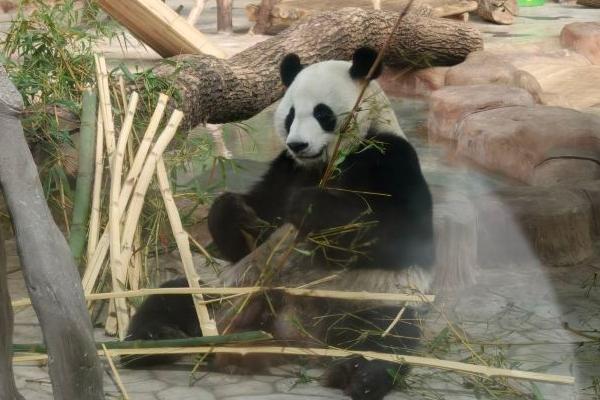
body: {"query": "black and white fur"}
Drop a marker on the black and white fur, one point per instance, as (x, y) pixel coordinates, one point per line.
(379, 187)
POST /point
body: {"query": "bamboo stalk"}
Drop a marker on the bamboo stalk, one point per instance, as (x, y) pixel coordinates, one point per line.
(97, 260)
(115, 372)
(331, 294)
(241, 337)
(394, 322)
(97, 191)
(454, 366)
(83, 190)
(119, 270)
(105, 105)
(207, 324)
(137, 202)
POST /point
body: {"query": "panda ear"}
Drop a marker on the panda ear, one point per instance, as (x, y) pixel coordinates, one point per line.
(289, 68)
(362, 61)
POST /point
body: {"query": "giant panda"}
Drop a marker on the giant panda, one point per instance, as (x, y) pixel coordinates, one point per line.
(377, 188)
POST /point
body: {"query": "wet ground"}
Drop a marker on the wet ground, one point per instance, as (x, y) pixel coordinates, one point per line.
(512, 317)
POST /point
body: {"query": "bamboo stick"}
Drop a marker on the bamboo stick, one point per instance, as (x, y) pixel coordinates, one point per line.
(394, 322)
(240, 337)
(105, 105)
(97, 191)
(331, 294)
(81, 204)
(115, 372)
(207, 324)
(137, 202)
(119, 270)
(454, 366)
(97, 260)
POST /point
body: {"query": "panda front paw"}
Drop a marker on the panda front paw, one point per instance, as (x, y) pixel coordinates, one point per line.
(362, 379)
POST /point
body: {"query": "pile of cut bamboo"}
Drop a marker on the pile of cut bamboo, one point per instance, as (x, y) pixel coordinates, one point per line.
(126, 201)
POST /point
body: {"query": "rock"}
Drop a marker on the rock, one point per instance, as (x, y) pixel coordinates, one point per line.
(583, 37)
(559, 73)
(520, 223)
(482, 67)
(245, 388)
(418, 83)
(514, 140)
(591, 190)
(185, 393)
(449, 105)
(564, 165)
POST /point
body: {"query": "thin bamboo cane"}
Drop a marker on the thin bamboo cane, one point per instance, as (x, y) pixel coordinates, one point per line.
(115, 372)
(394, 322)
(118, 270)
(135, 207)
(455, 366)
(332, 294)
(105, 105)
(207, 324)
(97, 259)
(96, 210)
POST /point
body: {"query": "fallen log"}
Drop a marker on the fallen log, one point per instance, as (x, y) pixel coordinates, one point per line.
(498, 11)
(219, 91)
(589, 3)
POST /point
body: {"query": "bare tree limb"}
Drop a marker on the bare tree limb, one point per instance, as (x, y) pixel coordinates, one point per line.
(48, 267)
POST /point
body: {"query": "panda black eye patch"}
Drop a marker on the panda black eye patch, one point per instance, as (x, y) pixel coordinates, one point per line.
(289, 119)
(325, 116)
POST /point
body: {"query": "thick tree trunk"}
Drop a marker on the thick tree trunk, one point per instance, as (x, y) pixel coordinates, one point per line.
(219, 91)
(8, 389)
(589, 3)
(50, 273)
(498, 11)
(224, 15)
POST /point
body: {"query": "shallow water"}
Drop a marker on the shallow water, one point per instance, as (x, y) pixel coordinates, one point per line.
(253, 143)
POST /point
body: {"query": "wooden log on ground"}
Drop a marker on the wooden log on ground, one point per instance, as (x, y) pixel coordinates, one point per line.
(498, 11)
(263, 15)
(160, 27)
(220, 91)
(50, 273)
(8, 388)
(589, 3)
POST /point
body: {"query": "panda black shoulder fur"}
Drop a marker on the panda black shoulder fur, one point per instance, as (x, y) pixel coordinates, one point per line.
(378, 189)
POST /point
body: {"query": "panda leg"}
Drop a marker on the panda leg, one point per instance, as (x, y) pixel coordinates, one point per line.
(234, 226)
(371, 380)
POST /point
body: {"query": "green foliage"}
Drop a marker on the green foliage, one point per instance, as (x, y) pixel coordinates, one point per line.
(49, 57)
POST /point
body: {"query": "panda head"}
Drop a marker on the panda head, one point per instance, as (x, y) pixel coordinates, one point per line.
(318, 99)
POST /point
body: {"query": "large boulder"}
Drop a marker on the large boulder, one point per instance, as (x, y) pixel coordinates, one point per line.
(583, 37)
(482, 67)
(521, 224)
(449, 105)
(567, 165)
(514, 140)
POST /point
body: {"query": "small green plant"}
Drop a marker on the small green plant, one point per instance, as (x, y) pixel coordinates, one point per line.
(48, 54)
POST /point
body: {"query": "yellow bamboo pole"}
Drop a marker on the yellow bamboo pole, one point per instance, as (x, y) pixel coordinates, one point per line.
(119, 270)
(207, 324)
(455, 366)
(97, 260)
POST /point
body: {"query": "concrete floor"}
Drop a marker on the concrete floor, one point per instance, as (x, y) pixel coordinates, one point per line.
(512, 317)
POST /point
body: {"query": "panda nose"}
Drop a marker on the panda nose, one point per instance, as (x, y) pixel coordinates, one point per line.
(297, 147)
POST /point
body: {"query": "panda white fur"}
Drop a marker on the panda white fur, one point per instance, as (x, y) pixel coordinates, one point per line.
(379, 188)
